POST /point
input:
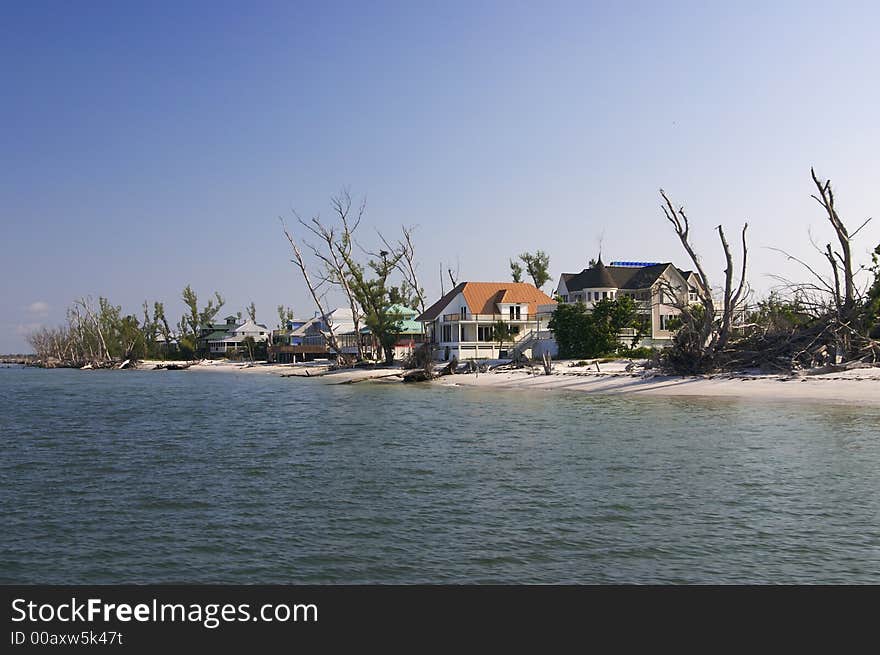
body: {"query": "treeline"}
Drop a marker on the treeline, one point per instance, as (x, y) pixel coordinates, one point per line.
(100, 334)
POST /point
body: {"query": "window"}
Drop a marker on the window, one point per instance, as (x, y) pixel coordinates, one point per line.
(511, 312)
(447, 333)
(692, 294)
(518, 315)
(484, 333)
(564, 298)
(664, 321)
(463, 313)
(604, 295)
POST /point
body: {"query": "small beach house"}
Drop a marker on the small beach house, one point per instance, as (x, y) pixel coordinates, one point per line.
(221, 342)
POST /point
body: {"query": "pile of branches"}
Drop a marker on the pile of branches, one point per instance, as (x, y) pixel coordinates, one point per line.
(825, 341)
(825, 322)
(838, 320)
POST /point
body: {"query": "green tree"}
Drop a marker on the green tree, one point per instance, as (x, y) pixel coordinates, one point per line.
(516, 270)
(583, 333)
(372, 295)
(187, 347)
(570, 325)
(190, 325)
(285, 315)
(250, 345)
(502, 332)
(404, 295)
(537, 266)
(610, 317)
(775, 314)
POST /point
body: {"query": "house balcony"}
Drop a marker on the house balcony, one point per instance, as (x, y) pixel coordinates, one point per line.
(488, 318)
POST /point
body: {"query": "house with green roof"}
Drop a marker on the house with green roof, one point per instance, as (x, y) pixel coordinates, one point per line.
(412, 335)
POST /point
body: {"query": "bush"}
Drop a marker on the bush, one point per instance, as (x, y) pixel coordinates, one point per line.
(638, 353)
(421, 357)
(594, 333)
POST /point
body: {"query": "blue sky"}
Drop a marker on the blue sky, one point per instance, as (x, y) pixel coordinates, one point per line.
(147, 146)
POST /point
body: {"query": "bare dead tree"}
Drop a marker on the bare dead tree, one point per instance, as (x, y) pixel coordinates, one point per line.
(823, 318)
(85, 303)
(453, 275)
(709, 334)
(406, 263)
(313, 289)
(335, 251)
(841, 261)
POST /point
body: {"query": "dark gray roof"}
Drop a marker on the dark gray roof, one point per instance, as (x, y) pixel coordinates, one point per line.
(614, 277)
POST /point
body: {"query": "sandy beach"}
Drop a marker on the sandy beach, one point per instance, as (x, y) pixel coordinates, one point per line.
(861, 387)
(858, 386)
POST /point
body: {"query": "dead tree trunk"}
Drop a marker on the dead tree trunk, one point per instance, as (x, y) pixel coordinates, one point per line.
(301, 264)
(706, 336)
(334, 255)
(847, 301)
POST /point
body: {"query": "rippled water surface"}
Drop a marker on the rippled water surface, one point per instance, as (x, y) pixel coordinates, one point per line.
(111, 477)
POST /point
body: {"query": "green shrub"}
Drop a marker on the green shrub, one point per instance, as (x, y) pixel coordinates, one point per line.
(637, 353)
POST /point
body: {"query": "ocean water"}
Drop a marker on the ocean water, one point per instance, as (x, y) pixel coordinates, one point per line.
(149, 477)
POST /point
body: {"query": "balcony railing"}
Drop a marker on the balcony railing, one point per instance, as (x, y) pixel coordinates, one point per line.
(488, 318)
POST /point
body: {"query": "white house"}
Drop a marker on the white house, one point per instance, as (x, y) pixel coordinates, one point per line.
(658, 289)
(233, 340)
(460, 324)
(340, 320)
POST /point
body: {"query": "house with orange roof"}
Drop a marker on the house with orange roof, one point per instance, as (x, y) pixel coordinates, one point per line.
(460, 324)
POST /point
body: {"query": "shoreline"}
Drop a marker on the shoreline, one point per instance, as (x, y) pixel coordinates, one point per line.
(831, 388)
(853, 387)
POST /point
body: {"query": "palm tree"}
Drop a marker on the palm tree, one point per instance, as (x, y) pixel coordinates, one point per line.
(501, 332)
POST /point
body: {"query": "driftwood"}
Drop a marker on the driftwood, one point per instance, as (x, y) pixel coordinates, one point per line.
(824, 341)
(396, 374)
(418, 375)
(177, 367)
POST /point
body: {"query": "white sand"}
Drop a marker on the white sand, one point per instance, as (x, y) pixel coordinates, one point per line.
(318, 370)
(860, 386)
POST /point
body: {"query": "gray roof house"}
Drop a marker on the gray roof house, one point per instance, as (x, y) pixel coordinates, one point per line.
(651, 284)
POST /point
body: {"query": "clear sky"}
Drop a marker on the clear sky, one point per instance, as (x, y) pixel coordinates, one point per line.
(146, 146)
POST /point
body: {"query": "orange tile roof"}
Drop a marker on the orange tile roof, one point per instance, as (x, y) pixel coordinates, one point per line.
(482, 297)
